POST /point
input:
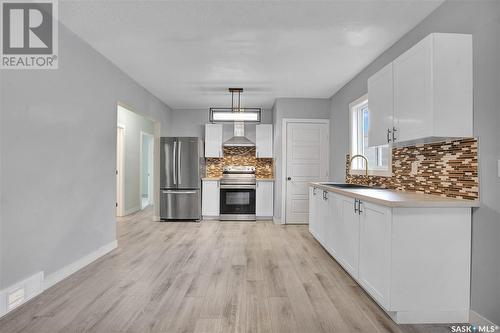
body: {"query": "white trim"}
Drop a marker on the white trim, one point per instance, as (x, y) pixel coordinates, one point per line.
(430, 316)
(150, 191)
(285, 122)
(120, 197)
(210, 218)
(67, 270)
(276, 220)
(476, 319)
(371, 172)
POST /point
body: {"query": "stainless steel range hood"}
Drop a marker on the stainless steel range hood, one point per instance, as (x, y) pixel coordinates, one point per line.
(239, 139)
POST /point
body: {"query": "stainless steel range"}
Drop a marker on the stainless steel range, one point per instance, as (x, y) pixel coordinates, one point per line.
(237, 193)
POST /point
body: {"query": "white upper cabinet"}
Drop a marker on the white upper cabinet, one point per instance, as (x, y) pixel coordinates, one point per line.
(431, 96)
(381, 106)
(213, 140)
(264, 141)
(413, 92)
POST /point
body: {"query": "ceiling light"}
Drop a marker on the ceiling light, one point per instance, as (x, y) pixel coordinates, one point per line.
(235, 113)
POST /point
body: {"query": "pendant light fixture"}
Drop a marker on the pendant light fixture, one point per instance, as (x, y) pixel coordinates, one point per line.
(235, 113)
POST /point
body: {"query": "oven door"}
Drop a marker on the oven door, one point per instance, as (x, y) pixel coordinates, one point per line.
(237, 202)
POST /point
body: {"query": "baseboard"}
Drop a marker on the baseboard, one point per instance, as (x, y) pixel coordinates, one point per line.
(478, 320)
(131, 210)
(430, 317)
(66, 271)
(156, 218)
(210, 218)
(277, 220)
(26, 289)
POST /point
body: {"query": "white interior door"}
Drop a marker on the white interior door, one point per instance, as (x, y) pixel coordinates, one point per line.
(307, 161)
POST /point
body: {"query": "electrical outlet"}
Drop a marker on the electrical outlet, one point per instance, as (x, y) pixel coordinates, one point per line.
(414, 168)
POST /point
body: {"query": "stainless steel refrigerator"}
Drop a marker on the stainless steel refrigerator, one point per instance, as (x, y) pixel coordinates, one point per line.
(181, 167)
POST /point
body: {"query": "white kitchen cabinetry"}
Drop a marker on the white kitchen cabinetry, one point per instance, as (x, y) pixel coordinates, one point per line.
(375, 251)
(414, 262)
(431, 96)
(348, 229)
(381, 106)
(264, 141)
(210, 198)
(264, 199)
(213, 140)
(314, 194)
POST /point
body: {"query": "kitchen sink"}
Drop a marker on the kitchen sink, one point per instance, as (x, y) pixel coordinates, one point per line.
(346, 185)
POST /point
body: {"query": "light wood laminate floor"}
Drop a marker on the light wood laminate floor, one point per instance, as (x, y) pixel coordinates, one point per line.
(207, 277)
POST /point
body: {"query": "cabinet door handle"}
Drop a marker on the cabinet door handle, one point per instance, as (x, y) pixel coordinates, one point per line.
(314, 190)
(389, 135)
(359, 207)
(394, 130)
(355, 205)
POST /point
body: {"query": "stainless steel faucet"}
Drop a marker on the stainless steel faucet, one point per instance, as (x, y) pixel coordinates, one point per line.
(366, 163)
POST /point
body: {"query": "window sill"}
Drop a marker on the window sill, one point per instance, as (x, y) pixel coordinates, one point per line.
(378, 173)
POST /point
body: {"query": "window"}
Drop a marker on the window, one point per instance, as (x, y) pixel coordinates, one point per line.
(379, 158)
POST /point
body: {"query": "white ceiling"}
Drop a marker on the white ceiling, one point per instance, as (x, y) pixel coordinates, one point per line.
(188, 53)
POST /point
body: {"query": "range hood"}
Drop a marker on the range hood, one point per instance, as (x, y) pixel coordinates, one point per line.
(239, 139)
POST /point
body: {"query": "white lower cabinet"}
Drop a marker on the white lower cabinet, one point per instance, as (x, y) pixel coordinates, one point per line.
(414, 262)
(348, 229)
(375, 251)
(313, 210)
(264, 199)
(210, 198)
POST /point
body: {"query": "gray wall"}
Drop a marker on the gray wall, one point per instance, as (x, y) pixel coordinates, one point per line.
(191, 122)
(134, 124)
(482, 20)
(58, 151)
(303, 108)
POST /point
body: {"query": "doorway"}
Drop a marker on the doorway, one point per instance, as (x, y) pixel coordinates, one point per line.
(147, 165)
(305, 159)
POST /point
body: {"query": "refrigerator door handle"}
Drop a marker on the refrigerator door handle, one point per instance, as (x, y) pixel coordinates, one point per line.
(174, 163)
(179, 192)
(179, 173)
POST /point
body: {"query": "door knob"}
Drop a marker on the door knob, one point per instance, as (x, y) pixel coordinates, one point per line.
(289, 178)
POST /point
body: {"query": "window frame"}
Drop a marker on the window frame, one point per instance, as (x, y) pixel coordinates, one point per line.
(353, 106)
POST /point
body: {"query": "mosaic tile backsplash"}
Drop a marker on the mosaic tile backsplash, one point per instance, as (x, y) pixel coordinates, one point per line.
(448, 169)
(264, 167)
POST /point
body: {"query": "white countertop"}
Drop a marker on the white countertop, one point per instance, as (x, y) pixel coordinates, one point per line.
(393, 198)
